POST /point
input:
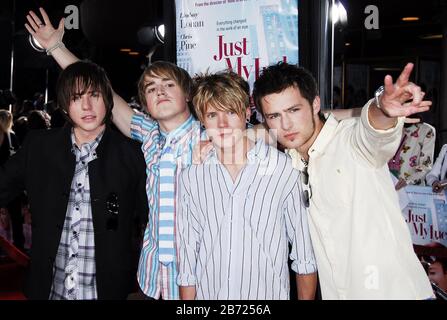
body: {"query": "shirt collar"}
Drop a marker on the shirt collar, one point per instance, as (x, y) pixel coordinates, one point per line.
(175, 135)
(324, 137)
(90, 146)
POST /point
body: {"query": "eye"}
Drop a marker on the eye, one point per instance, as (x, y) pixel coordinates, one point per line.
(294, 110)
(95, 94)
(272, 116)
(170, 84)
(150, 90)
(76, 97)
(211, 115)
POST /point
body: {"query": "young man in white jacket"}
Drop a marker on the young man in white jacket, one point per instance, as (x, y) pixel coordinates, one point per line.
(361, 241)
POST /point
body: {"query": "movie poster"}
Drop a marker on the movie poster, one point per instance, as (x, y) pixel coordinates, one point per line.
(242, 35)
(426, 215)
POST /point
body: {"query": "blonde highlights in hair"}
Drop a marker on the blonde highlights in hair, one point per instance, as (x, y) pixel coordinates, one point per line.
(224, 91)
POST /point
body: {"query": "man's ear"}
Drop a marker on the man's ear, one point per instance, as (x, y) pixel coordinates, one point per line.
(316, 105)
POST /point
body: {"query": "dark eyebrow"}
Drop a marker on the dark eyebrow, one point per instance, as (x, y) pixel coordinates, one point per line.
(294, 106)
(152, 82)
(288, 109)
(269, 114)
(148, 84)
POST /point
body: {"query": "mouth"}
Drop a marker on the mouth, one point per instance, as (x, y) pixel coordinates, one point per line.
(162, 100)
(89, 118)
(225, 134)
(291, 136)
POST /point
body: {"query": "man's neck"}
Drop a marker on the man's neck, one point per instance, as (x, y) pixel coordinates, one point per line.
(172, 124)
(234, 159)
(82, 136)
(304, 149)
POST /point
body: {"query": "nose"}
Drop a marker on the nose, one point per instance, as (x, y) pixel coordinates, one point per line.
(161, 90)
(222, 121)
(86, 102)
(286, 123)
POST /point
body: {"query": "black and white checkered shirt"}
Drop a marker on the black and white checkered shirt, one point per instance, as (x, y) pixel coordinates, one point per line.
(75, 268)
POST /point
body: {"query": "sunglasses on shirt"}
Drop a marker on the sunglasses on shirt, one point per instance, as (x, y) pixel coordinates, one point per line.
(307, 193)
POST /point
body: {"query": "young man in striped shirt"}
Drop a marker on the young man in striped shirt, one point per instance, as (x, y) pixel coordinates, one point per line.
(238, 211)
(167, 139)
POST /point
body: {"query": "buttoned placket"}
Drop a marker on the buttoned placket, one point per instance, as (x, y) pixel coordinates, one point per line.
(322, 222)
(238, 191)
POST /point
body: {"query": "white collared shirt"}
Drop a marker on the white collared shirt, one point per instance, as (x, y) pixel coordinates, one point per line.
(361, 241)
(233, 236)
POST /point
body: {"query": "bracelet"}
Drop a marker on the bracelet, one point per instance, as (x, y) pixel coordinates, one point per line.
(59, 44)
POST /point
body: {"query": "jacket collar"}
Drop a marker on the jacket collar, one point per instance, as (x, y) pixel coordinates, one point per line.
(64, 142)
(319, 146)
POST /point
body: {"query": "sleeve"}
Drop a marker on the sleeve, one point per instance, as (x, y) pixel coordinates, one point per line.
(376, 147)
(141, 126)
(12, 174)
(435, 173)
(297, 228)
(188, 234)
(425, 158)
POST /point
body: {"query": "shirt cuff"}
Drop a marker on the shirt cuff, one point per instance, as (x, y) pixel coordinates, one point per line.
(397, 129)
(430, 179)
(186, 280)
(305, 267)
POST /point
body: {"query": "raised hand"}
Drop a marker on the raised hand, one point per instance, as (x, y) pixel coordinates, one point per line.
(403, 98)
(412, 120)
(400, 184)
(437, 186)
(44, 32)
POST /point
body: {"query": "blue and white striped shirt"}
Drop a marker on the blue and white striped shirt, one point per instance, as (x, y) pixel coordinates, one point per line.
(156, 279)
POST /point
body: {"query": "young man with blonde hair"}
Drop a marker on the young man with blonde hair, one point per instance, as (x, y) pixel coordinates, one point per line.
(239, 210)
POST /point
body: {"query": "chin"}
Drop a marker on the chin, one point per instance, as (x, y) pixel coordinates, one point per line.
(290, 144)
(165, 116)
(223, 144)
